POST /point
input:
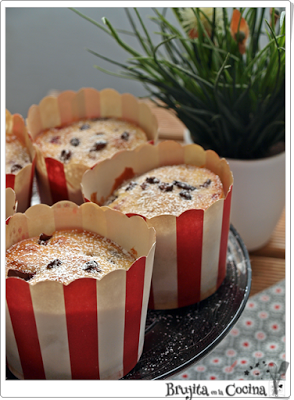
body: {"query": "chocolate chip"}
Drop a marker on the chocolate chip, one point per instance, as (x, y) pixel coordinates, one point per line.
(131, 185)
(166, 187)
(53, 264)
(99, 133)
(144, 185)
(84, 126)
(16, 167)
(98, 145)
(125, 136)
(43, 238)
(206, 183)
(65, 155)
(20, 274)
(185, 194)
(55, 140)
(75, 141)
(152, 179)
(115, 253)
(91, 266)
(184, 185)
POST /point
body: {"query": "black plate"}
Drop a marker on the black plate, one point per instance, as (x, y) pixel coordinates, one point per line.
(175, 339)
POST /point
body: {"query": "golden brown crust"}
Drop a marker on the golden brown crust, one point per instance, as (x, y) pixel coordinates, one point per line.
(89, 140)
(168, 190)
(16, 154)
(64, 256)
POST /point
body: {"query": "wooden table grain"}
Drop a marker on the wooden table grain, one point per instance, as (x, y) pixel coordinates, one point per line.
(268, 262)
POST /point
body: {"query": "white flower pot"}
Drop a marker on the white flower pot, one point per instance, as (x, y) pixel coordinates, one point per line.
(258, 197)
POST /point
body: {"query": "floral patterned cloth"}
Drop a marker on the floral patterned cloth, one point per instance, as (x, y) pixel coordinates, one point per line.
(252, 346)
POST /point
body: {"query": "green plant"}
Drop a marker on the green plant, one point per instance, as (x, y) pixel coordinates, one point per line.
(226, 89)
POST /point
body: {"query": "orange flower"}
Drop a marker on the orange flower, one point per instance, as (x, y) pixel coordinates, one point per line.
(239, 30)
(193, 33)
(276, 15)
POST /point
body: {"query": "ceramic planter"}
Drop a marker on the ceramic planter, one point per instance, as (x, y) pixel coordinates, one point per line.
(258, 199)
(259, 196)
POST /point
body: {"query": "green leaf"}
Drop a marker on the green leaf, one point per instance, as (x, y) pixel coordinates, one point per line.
(232, 103)
(92, 21)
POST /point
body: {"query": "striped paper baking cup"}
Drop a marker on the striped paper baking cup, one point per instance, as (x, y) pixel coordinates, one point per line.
(10, 202)
(191, 249)
(55, 181)
(90, 328)
(21, 181)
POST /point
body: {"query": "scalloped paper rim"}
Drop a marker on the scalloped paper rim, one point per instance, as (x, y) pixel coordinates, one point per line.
(21, 182)
(89, 328)
(89, 216)
(70, 106)
(190, 257)
(99, 180)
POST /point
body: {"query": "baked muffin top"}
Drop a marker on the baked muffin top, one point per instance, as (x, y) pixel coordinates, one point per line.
(16, 154)
(89, 140)
(64, 256)
(168, 190)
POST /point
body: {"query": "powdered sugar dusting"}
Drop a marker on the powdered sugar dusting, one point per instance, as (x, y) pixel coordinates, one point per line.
(189, 187)
(67, 255)
(15, 154)
(89, 140)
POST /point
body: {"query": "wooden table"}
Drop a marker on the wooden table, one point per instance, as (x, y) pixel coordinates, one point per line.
(268, 263)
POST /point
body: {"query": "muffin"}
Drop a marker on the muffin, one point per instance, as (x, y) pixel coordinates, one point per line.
(64, 256)
(75, 130)
(19, 166)
(74, 276)
(89, 140)
(184, 192)
(168, 190)
(17, 155)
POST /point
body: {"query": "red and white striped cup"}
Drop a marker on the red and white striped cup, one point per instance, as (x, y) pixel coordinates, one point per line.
(90, 328)
(55, 182)
(21, 181)
(191, 249)
(11, 203)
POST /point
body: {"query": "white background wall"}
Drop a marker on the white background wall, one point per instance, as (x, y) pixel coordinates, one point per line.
(46, 49)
